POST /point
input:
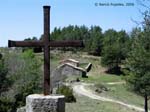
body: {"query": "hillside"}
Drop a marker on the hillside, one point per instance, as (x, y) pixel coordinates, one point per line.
(107, 85)
(117, 88)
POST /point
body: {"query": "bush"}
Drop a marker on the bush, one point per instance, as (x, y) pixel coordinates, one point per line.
(20, 75)
(67, 92)
(4, 81)
(5, 104)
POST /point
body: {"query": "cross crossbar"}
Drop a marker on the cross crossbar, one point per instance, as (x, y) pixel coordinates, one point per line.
(69, 43)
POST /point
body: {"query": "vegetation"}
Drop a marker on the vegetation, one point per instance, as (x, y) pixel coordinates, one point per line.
(67, 92)
(103, 78)
(35, 49)
(95, 75)
(20, 76)
(4, 81)
(138, 62)
(85, 104)
(113, 46)
(118, 92)
(115, 49)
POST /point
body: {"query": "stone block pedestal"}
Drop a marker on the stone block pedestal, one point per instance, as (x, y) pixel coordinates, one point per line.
(41, 103)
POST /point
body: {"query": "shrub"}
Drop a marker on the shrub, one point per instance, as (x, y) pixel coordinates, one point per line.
(20, 77)
(67, 92)
(5, 104)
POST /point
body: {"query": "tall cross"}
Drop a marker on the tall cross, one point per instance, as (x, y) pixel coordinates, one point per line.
(46, 44)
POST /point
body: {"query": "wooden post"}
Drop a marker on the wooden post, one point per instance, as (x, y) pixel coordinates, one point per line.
(46, 50)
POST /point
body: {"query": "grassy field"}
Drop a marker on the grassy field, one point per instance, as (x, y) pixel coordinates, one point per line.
(102, 78)
(121, 93)
(98, 75)
(85, 104)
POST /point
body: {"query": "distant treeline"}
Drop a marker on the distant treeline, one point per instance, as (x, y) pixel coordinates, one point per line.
(93, 37)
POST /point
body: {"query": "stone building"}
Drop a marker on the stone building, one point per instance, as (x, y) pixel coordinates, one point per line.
(68, 68)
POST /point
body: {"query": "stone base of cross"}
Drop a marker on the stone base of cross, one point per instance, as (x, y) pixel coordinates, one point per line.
(52, 103)
(41, 103)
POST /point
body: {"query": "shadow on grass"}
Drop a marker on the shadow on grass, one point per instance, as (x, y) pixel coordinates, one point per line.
(114, 71)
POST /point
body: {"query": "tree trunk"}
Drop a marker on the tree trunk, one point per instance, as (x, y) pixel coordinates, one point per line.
(146, 103)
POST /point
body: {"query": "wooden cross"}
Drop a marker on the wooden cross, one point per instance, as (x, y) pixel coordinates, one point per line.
(46, 44)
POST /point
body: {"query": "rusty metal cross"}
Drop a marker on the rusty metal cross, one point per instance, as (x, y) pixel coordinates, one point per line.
(46, 44)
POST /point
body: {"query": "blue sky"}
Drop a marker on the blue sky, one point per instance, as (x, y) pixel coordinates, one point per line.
(20, 19)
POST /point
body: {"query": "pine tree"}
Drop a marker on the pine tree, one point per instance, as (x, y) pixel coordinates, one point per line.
(114, 50)
(138, 63)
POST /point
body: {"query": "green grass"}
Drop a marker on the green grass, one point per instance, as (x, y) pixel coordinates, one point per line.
(97, 73)
(83, 65)
(85, 104)
(121, 93)
(102, 78)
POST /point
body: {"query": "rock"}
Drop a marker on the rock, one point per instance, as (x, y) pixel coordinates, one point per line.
(98, 90)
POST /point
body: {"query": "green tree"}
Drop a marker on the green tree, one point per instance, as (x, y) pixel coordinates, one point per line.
(70, 33)
(35, 49)
(92, 37)
(27, 78)
(56, 34)
(24, 71)
(5, 84)
(138, 63)
(114, 50)
(95, 41)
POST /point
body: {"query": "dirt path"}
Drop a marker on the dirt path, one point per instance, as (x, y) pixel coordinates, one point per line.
(116, 83)
(80, 89)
